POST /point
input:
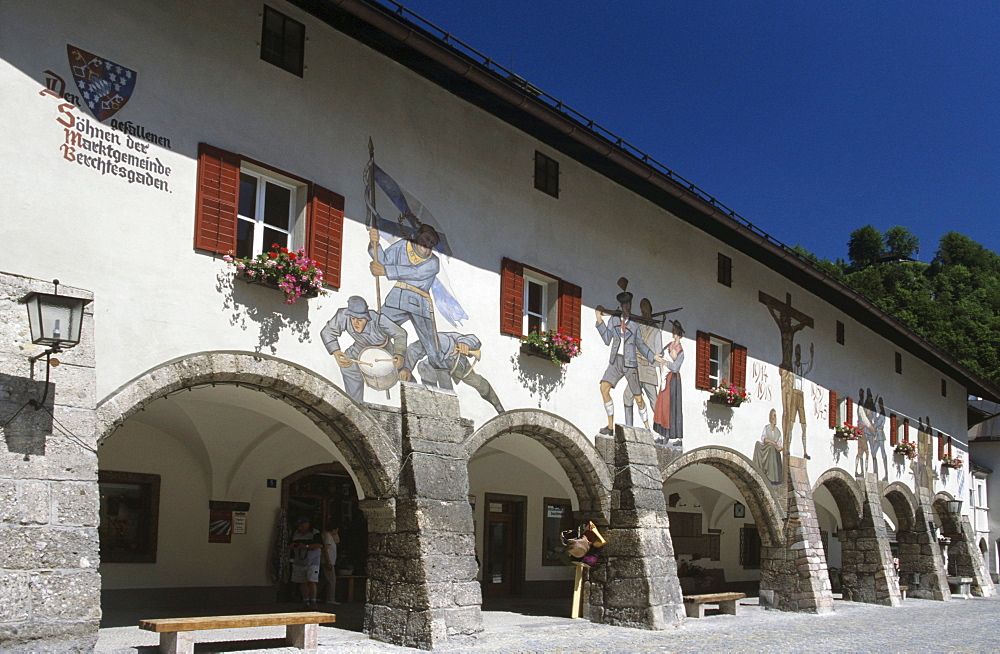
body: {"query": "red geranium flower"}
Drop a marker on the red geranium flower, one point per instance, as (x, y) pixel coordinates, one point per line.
(273, 255)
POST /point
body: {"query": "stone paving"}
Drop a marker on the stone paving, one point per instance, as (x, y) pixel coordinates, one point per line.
(917, 626)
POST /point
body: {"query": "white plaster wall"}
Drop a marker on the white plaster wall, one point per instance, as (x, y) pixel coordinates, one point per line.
(497, 471)
(185, 558)
(160, 300)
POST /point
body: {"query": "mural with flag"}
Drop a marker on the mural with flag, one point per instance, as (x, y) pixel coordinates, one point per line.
(409, 249)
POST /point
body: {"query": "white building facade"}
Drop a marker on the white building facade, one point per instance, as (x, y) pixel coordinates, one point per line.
(151, 144)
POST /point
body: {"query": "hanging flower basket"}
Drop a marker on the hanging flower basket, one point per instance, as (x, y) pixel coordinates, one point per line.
(953, 462)
(729, 395)
(552, 345)
(293, 273)
(846, 432)
(906, 449)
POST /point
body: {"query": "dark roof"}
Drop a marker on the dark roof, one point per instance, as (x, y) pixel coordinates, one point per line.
(475, 78)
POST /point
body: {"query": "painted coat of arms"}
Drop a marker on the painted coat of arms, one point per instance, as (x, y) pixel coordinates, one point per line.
(104, 85)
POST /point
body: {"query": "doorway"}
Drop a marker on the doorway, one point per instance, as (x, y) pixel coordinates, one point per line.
(504, 543)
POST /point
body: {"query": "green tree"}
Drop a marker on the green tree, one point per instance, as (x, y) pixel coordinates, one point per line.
(901, 242)
(865, 247)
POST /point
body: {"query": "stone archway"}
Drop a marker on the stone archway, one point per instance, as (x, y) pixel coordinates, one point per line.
(965, 560)
(764, 507)
(587, 471)
(867, 571)
(365, 446)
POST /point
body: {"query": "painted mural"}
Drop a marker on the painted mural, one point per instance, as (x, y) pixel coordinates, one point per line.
(767, 451)
(639, 357)
(791, 371)
(411, 253)
(871, 443)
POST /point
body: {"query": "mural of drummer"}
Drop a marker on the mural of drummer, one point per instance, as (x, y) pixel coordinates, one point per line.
(368, 329)
(461, 353)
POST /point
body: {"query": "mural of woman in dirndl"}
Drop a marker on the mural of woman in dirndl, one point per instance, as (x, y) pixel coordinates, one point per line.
(668, 418)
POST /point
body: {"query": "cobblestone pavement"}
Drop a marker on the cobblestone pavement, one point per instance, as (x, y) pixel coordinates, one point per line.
(918, 626)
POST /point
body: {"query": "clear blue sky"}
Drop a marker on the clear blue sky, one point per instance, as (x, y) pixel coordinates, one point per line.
(808, 118)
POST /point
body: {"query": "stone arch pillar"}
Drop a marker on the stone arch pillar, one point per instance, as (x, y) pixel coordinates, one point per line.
(422, 587)
(867, 572)
(637, 585)
(964, 557)
(919, 560)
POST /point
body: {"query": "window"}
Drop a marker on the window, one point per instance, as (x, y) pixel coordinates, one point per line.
(557, 517)
(243, 206)
(267, 212)
(840, 332)
(546, 174)
(718, 360)
(129, 515)
(725, 270)
(944, 388)
(530, 298)
(749, 547)
(899, 363)
(282, 41)
(832, 419)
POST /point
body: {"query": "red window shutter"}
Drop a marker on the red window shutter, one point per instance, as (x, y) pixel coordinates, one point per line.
(893, 429)
(906, 430)
(739, 370)
(833, 409)
(511, 298)
(949, 446)
(570, 305)
(702, 368)
(940, 440)
(217, 200)
(850, 412)
(325, 232)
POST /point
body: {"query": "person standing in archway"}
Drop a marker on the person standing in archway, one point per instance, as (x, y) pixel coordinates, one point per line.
(305, 546)
(331, 538)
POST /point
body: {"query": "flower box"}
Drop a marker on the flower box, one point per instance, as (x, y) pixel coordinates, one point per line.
(952, 462)
(846, 432)
(292, 273)
(267, 283)
(535, 351)
(725, 401)
(906, 449)
(553, 345)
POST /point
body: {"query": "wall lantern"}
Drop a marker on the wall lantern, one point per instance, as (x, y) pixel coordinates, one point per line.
(954, 506)
(55, 320)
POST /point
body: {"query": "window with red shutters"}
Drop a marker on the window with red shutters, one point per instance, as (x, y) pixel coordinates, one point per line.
(849, 409)
(531, 300)
(906, 430)
(227, 180)
(718, 359)
(833, 410)
(940, 447)
(893, 429)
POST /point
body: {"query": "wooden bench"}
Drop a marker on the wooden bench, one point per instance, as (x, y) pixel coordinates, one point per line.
(301, 629)
(694, 605)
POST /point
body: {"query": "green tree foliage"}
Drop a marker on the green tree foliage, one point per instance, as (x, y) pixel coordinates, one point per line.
(901, 242)
(953, 302)
(865, 247)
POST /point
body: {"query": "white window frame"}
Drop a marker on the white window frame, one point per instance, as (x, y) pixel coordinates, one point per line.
(263, 179)
(723, 361)
(550, 294)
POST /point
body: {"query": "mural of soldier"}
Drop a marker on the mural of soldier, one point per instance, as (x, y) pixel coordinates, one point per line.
(767, 451)
(368, 329)
(668, 414)
(413, 265)
(460, 352)
(649, 373)
(621, 331)
(877, 445)
(923, 467)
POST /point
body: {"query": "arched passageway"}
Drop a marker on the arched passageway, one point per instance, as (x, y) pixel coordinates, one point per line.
(532, 475)
(216, 434)
(725, 522)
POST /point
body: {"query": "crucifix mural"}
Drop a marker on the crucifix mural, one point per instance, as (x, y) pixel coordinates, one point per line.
(791, 370)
